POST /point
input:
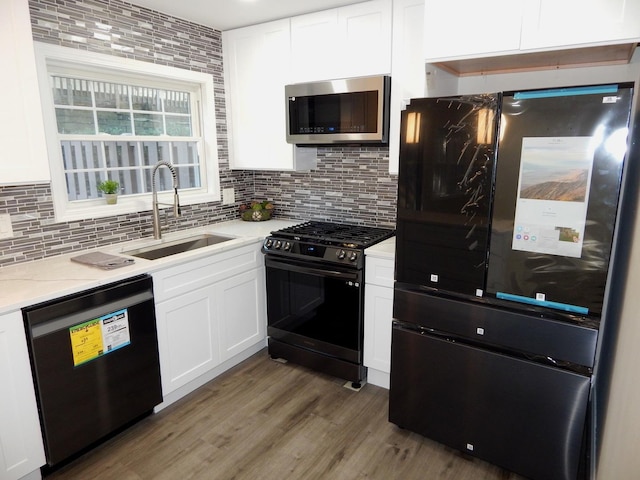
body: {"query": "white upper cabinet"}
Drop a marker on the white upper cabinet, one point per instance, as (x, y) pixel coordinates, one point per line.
(349, 41)
(257, 67)
(314, 46)
(365, 30)
(550, 23)
(261, 59)
(467, 28)
(23, 158)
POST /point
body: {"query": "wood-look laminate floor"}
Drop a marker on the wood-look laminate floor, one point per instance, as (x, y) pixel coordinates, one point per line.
(268, 420)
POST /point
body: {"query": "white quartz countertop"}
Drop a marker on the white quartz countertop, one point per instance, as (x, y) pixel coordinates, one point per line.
(384, 249)
(42, 280)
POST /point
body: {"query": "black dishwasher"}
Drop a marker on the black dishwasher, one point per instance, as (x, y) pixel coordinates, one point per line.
(94, 357)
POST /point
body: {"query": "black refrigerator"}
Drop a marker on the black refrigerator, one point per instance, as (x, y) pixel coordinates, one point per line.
(508, 214)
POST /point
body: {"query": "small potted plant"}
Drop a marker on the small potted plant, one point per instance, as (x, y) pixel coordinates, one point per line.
(110, 189)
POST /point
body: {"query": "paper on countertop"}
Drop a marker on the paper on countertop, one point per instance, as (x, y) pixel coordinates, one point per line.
(102, 260)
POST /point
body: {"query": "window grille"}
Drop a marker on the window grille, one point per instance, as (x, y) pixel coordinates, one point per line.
(120, 131)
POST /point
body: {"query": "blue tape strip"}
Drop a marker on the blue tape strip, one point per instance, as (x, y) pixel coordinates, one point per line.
(566, 92)
(543, 303)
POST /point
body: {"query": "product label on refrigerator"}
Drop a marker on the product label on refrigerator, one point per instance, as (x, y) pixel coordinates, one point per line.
(97, 337)
(553, 194)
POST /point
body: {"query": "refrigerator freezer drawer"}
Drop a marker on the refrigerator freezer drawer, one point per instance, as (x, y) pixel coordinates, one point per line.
(512, 330)
(526, 417)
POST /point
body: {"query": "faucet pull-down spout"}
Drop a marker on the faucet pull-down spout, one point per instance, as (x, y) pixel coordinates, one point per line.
(157, 231)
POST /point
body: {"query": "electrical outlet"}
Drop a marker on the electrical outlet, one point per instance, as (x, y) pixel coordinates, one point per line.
(6, 229)
(228, 196)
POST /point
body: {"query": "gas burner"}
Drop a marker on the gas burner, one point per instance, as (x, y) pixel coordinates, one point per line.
(324, 242)
(336, 234)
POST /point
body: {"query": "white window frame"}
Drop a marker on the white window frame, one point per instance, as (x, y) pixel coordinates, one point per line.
(110, 67)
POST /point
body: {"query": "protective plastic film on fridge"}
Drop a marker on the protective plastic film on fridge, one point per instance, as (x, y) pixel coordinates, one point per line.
(507, 207)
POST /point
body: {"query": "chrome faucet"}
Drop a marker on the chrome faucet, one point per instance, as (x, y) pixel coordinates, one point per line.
(157, 231)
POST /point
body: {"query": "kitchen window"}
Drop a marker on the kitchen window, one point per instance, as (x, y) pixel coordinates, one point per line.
(113, 118)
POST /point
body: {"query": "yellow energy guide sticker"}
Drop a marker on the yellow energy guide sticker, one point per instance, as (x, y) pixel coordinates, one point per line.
(100, 336)
(86, 341)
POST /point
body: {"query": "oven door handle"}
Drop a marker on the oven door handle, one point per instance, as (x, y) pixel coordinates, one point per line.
(322, 272)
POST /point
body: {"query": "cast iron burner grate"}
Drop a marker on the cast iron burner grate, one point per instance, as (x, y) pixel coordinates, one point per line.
(352, 236)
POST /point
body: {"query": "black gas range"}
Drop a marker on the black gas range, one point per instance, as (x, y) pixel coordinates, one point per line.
(315, 295)
(332, 243)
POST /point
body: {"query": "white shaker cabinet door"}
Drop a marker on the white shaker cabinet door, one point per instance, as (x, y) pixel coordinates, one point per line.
(187, 337)
(21, 448)
(350, 41)
(257, 67)
(241, 306)
(378, 317)
(549, 23)
(23, 157)
(315, 46)
(365, 30)
(471, 28)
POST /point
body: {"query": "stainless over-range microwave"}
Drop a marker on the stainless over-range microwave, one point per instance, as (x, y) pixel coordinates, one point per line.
(348, 110)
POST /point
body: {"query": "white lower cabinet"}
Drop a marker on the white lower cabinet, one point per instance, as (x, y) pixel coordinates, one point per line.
(378, 318)
(211, 315)
(21, 448)
(241, 306)
(187, 337)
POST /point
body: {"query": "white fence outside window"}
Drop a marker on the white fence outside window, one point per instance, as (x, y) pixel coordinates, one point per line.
(157, 125)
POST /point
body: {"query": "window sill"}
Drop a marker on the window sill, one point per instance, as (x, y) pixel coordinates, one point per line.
(100, 209)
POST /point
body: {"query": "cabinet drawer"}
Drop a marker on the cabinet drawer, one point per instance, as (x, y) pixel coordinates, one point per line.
(379, 271)
(199, 273)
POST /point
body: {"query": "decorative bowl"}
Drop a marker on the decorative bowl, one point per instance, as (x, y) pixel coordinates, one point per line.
(257, 211)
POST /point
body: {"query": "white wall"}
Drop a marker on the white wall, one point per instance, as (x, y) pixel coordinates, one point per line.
(619, 455)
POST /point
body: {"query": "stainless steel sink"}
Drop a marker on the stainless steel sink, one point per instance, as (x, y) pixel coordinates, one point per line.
(177, 246)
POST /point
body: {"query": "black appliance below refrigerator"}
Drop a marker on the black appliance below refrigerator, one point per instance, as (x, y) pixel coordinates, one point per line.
(507, 208)
(315, 295)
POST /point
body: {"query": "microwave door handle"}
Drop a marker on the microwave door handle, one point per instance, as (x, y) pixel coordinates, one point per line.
(312, 271)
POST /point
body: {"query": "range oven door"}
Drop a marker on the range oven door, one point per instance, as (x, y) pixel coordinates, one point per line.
(315, 306)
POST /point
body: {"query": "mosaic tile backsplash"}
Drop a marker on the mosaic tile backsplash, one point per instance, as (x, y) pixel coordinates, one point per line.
(350, 184)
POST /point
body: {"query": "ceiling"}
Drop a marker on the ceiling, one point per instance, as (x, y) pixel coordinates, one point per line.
(229, 14)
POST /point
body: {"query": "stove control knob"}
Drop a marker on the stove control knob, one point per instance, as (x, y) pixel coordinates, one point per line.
(287, 246)
(268, 243)
(353, 256)
(278, 244)
(341, 254)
